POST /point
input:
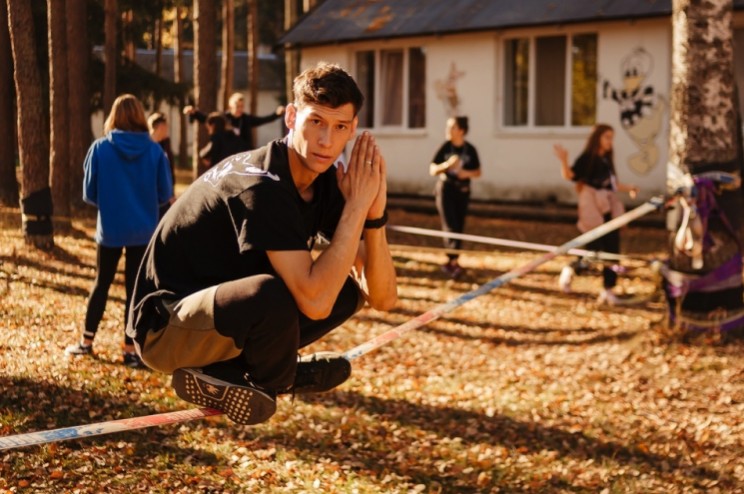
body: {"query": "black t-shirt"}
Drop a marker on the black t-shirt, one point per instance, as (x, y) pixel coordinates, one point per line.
(222, 145)
(221, 227)
(594, 171)
(468, 155)
(243, 125)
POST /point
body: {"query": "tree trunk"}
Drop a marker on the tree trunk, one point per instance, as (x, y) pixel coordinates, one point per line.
(110, 54)
(158, 45)
(253, 61)
(703, 139)
(127, 19)
(33, 143)
(228, 49)
(59, 157)
(78, 108)
(291, 57)
(205, 70)
(183, 150)
(8, 177)
(158, 37)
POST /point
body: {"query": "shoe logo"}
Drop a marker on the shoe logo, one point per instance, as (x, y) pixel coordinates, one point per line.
(211, 389)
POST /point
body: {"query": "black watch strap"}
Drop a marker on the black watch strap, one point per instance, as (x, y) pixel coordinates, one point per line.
(376, 223)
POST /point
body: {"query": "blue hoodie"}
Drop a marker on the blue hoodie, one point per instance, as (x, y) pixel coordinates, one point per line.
(127, 177)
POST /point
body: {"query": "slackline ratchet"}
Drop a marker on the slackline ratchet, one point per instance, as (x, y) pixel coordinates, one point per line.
(167, 418)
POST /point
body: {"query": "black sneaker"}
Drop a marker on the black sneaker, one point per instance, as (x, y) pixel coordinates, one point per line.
(238, 398)
(320, 372)
(131, 359)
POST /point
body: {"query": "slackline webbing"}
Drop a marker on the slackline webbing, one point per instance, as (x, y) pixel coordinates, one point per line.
(167, 418)
(518, 244)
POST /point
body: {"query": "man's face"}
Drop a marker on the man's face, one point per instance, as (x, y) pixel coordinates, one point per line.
(237, 107)
(320, 133)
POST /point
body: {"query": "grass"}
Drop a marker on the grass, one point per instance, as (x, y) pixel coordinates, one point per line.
(525, 389)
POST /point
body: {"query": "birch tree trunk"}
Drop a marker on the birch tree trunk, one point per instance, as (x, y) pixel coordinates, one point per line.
(33, 141)
(703, 138)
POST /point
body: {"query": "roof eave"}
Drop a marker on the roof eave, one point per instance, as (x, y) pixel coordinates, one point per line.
(344, 41)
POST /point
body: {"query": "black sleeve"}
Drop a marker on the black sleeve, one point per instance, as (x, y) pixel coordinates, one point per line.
(199, 116)
(580, 168)
(439, 157)
(474, 161)
(254, 121)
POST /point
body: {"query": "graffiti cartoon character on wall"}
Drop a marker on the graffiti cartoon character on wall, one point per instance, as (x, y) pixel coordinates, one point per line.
(641, 109)
(447, 91)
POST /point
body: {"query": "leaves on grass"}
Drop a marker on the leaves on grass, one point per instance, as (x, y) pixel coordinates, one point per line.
(525, 389)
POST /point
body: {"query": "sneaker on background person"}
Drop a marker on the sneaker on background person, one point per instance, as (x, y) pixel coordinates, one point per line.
(606, 296)
(453, 269)
(565, 278)
(78, 349)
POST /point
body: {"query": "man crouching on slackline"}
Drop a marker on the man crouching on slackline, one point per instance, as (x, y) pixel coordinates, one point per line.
(228, 290)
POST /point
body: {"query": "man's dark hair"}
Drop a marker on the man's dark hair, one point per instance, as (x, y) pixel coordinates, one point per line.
(329, 85)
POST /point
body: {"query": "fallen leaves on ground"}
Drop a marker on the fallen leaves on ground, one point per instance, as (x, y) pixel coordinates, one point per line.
(523, 389)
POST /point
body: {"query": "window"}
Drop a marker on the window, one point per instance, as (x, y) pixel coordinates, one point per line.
(550, 81)
(516, 94)
(365, 78)
(393, 82)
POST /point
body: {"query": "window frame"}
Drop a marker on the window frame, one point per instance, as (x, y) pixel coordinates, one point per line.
(502, 84)
(379, 95)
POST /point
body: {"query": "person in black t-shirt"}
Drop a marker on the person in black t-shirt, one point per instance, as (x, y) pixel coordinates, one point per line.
(597, 184)
(238, 121)
(222, 141)
(455, 163)
(229, 291)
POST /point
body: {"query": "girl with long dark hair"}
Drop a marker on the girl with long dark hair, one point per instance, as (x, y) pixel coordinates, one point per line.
(597, 186)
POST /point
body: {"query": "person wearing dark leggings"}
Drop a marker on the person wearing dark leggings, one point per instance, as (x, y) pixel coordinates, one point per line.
(455, 163)
(127, 177)
(107, 260)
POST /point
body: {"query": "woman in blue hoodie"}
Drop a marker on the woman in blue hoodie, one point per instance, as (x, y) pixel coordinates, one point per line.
(127, 177)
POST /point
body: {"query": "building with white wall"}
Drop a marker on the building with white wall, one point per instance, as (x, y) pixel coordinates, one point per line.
(527, 73)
